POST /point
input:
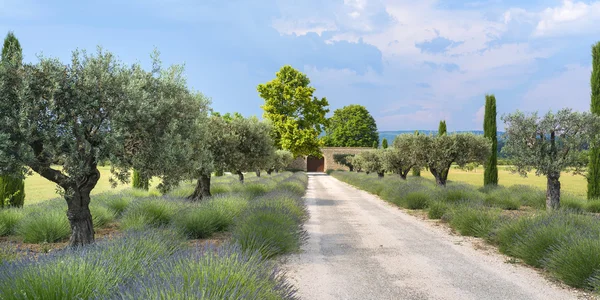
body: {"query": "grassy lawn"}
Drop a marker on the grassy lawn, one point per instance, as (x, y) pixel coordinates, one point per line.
(38, 189)
(576, 185)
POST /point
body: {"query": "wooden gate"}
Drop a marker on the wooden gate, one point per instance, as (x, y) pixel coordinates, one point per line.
(315, 164)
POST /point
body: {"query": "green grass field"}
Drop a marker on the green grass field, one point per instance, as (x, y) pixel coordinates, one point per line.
(39, 189)
(576, 185)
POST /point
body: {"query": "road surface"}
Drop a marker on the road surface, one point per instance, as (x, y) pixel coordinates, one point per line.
(361, 247)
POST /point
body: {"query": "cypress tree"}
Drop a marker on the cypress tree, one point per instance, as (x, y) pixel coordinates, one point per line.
(416, 171)
(375, 144)
(442, 128)
(384, 143)
(593, 176)
(12, 186)
(490, 175)
(139, 181)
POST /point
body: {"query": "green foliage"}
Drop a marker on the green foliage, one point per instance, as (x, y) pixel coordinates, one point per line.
(44, 227)
(438, 153)
(370, 161)
(198, 222)
(139, 181)
(344, 160)
(575, 261)
(502, 198)
(437, 209)
(593, 206)
(283, 159)
(375, 144)
(101, 215)
(442, 128)
(473, 220)
(12, 191)
(351, 126)
(11, 49)
(549, 145)
(384, 143)
(149, 212)
(297, 117)
(9, 219)
(416, 200)
(490, 131)
(593, 175)
(402, 156)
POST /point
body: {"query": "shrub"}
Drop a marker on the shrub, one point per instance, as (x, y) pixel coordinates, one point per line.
(507, 232)
(117, 204)
(572, 203)
(9, 218)
(217, 189)
(533, 244)
(459, 193)
(473, 220)
(269, 231)
(198, 222)
(501, 198)
(46, 226)
(329, 171)
(149, 212)
(575, 261)
(437, 209)
(8, 253)
(416, 200)
(223, 273)
(593, 206)
(529, 196)
(101, 215)
(91, 272)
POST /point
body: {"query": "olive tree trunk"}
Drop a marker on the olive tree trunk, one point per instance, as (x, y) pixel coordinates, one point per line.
(241, 176)
(257, 173)
(553, 192)
(202, 189)
(380, 174)
(78, 212)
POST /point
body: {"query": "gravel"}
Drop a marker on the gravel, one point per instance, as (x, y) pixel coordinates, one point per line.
(361, 247)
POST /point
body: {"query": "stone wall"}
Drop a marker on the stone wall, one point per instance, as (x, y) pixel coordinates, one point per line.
(328, 153)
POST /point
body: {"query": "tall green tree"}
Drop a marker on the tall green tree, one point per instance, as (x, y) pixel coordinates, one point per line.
(12, 183)
(372, 161)
(402, 157)
(593, 176)
(490, 130)
(92, 110)
(384, 143)
(442, 128)
(549, 144)
(351, 126)
(416, 170)
(139, 180)
(297, 116)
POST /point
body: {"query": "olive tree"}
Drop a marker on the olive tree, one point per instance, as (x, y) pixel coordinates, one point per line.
(549, 144)
(372, 161)
(253, 147)
(344, 160)
(438, 153)
(402, 157)
(87, 112)
(281, 160)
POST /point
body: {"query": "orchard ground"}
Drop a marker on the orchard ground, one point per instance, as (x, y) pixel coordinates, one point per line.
(38, 189)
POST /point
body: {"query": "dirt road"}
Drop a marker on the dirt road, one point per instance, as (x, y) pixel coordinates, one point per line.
(361, 247)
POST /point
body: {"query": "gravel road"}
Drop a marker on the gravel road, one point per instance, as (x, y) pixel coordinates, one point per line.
(361, 247)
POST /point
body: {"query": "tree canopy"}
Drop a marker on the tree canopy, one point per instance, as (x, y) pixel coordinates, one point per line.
(351, 126)
(402, 156)
(93, 110)
(439, 152)
(549, 145)
(297, 116)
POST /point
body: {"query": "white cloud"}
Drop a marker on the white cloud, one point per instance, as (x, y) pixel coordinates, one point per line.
(569, 89)
(303, 26)
(571, 17)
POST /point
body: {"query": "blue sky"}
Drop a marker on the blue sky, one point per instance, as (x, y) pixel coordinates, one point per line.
(411, 63)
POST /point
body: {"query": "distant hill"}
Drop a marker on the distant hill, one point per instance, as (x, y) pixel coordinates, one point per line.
(390, 135)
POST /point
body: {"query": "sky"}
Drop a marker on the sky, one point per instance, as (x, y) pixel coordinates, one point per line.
(411, 63)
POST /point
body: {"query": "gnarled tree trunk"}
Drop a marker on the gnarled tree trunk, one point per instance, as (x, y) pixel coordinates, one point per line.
(380, 174)
(553, 192)
(257, 172)
(269, 171)
(78, 212)
(241, 176)
(202, 189)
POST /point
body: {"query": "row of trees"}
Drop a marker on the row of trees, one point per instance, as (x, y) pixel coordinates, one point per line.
(63, 120)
